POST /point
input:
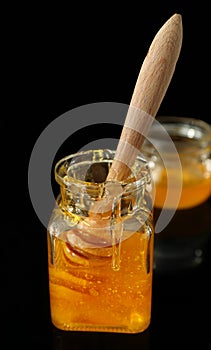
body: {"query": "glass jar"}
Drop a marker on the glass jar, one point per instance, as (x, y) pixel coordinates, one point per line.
(100, 245)
(192, 139)
(183, 171)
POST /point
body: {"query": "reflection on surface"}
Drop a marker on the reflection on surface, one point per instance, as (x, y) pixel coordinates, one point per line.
(184, 242)
(66, 340)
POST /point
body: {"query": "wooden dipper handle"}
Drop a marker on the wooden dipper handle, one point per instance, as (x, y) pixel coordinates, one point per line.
(153, 80)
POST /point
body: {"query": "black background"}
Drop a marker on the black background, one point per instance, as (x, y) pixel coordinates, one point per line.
(57, 58)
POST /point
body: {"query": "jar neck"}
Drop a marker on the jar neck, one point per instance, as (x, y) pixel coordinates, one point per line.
(81, 197)
(104, 200)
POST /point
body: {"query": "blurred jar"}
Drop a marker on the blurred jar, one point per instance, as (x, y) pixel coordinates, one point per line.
(183, 174)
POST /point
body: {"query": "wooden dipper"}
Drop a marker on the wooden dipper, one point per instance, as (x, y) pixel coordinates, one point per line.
(153, 80)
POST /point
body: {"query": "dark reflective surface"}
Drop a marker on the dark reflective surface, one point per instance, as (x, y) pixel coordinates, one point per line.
(184, 242)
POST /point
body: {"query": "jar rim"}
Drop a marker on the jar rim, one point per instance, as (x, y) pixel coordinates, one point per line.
(62, 167)
(189, 135)
(188, 121)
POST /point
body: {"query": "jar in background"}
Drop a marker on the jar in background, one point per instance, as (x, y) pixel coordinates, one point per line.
(182, 243)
